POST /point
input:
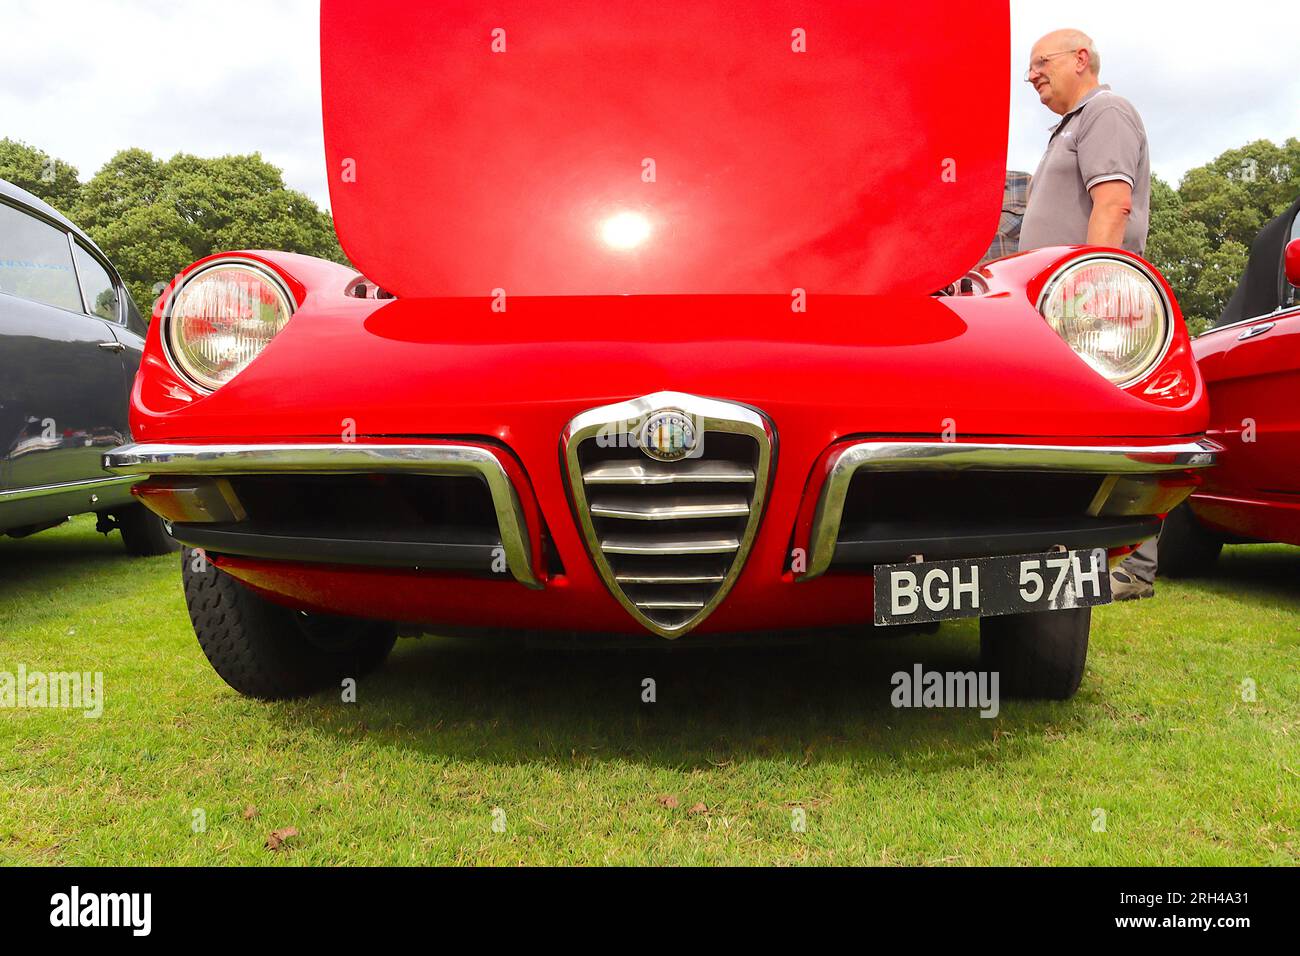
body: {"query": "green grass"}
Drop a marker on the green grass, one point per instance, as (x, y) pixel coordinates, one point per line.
(1159, 738)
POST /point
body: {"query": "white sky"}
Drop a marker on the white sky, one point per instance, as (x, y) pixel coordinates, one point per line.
(82, 79)
(1205, 77)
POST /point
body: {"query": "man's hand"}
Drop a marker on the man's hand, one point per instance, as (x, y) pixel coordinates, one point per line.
(1112, 201)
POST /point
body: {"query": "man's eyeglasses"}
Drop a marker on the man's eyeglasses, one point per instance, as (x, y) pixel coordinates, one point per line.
(1036, 66)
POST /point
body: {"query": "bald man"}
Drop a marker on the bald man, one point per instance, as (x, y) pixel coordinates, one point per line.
(1093, 186)
(1094, 182)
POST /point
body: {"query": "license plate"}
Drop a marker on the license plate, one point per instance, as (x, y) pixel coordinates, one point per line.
(917, 592)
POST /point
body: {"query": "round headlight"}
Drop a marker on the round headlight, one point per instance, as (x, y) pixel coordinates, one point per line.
(222, 317)
(1112, 313)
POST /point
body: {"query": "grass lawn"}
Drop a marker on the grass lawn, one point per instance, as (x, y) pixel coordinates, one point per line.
(1159, 738)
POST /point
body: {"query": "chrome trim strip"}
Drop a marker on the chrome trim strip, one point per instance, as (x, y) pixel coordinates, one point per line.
(1281, 312)
(120, 318)
(702, 544)
(672, 604)
(345, 458)
(956, 456)
(647, 577)
(714, 416)
(40, 491)
(665, 473)
(76, 275)
(718, 506)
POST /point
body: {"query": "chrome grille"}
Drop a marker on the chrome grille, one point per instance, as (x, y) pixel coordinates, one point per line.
(669, 537)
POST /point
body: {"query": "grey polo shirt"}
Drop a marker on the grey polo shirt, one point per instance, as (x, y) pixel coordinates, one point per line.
(1101, 139)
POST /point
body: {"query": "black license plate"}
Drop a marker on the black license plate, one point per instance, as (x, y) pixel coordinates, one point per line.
(921, 591)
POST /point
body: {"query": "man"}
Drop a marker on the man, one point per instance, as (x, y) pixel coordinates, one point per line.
(1094, 182)
(1093, 186)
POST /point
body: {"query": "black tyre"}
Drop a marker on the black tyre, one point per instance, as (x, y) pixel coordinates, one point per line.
(143, 533)
(270, 652)
(1187, 548)
(1040, 655)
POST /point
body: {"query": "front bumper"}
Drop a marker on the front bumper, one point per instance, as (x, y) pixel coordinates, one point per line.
(517, 539)
(1128, 483)
(435, 575)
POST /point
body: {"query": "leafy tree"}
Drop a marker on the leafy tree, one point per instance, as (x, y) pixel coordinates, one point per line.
(1219, 276)
(153, 217)
(149, 244)
(1177, 245)
(131, 179)
(1240, 190)
(40, 174)
(1201, 232)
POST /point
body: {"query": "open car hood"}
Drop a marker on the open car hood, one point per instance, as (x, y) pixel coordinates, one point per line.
(622, 147)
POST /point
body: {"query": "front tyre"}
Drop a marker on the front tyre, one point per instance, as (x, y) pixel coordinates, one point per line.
(1187, 549)
(270, 652)
(1039, 655)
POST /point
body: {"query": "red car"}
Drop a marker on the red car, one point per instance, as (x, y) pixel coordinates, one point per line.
(1251, 365)
(648, 341)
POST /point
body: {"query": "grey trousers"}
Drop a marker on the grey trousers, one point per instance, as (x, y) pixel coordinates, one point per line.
(1142, 562)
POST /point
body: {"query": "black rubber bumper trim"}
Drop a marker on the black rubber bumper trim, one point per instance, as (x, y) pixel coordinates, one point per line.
(459, 549)
(863, 545)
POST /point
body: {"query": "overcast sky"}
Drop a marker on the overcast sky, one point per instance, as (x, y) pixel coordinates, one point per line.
(82, 80)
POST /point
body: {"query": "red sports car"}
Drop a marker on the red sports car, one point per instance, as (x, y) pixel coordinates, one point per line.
(663, 326)
(1251, 365)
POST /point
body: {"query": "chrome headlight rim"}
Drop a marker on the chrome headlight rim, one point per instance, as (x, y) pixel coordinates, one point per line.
(251, 266)
(1060, 272)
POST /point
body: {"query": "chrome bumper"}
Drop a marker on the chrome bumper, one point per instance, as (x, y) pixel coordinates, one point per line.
(146, 460)
(1115, 461)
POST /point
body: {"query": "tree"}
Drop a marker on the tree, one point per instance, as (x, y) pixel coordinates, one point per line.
(1200, 233)
(154, 217)
(1177, 245)
(40, 174)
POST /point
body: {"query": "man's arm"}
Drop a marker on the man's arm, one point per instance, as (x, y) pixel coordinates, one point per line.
(1112, 201)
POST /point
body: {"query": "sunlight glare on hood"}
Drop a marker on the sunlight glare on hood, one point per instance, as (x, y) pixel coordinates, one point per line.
(625, 230)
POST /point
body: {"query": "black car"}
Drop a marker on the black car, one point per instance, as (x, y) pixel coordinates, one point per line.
(70, 344)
